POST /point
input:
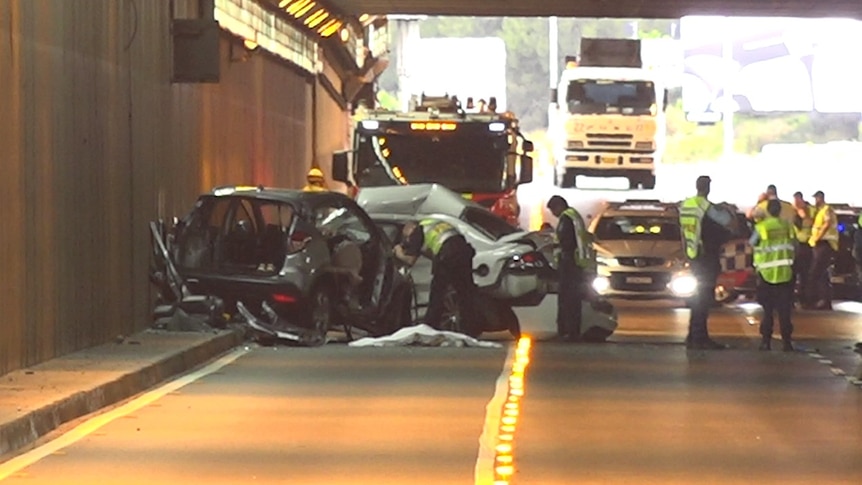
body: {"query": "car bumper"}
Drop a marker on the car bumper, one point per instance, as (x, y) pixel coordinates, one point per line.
(286, 298)
(641, 285)
(520, 289)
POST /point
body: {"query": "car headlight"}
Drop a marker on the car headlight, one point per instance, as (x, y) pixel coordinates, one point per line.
(683, 285)
(607, 261)
(601, 284)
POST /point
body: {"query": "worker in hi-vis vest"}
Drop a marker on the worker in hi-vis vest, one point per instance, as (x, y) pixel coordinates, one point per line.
(804, 221)
(774, 242)
(576, 264)
(824, 246)
(705, 228)
(451, 267)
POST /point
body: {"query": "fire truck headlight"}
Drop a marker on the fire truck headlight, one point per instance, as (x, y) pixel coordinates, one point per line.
(370, 124)
(497, 127)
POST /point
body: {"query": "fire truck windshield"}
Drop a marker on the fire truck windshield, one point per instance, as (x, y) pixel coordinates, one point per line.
(463, 163)
(591, 96)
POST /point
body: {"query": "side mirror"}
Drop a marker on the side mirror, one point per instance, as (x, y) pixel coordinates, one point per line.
(527, 145)
(340, 167)
(526, 175)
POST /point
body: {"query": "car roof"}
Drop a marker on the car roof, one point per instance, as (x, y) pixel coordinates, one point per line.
(640, 207)
(413, 199)
(274, 193)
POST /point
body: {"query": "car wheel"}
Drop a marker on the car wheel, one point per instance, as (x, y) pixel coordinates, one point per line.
(508, 317)
(319, 317)
(452, 320)
(400, 311)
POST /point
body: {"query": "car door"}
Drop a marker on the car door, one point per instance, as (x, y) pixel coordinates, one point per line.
(420, 272)
(341, 221)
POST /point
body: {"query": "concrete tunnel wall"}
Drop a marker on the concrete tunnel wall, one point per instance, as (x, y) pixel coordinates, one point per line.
(96, 142)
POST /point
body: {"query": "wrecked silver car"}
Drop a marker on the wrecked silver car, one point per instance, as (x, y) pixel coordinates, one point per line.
(292, 264)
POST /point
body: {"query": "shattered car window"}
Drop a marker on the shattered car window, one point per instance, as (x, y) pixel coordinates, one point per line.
(333, 221)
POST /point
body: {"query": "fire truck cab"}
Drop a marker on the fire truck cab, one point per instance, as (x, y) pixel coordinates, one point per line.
(469, 149)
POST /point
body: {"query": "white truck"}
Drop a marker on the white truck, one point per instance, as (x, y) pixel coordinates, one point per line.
(608, 118)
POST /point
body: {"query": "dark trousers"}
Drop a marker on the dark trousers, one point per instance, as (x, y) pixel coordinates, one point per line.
(775, 298)
(570, 299)
(706, 270)
(819, 286)
(453, 267)
(801, 270)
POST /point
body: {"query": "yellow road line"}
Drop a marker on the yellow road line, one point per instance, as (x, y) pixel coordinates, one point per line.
(495, 464)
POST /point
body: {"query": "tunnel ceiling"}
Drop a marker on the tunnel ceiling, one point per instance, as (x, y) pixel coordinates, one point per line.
(607, 8)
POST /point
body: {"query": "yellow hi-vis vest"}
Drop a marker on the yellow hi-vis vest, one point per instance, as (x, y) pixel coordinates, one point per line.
(691, 214)
(774, 254)
(803, 234)
(831, 234)
(436, 233)
(585, 254)
(788, 212)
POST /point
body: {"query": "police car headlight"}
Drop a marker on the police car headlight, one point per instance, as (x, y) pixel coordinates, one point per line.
(601, 284)
(607, 261)
(683, 285)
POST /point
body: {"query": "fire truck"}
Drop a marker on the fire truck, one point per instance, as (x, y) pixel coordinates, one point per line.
(470, 149)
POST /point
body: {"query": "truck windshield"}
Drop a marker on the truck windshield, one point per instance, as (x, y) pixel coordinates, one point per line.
(460, 163)
(590, 96)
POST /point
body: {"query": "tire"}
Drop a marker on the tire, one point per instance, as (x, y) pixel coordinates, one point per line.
(319, 313)
(452, 317)
(399, 314)
(649, 182)
(510, 320)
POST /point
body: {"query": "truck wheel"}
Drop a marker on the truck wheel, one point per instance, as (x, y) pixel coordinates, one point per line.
(649, 182)
(569, 179)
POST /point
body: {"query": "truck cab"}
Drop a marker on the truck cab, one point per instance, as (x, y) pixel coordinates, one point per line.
(609, 118)
(472, 150)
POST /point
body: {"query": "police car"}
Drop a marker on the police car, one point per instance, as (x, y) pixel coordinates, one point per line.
(639, 251)
(845, 282)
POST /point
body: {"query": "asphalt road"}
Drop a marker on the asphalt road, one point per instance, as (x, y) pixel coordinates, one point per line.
(638, 409)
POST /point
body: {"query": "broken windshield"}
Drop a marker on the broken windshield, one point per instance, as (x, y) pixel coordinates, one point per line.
(461, 163)
(592, 96)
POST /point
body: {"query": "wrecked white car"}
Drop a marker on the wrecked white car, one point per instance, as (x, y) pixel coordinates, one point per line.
(509, 268)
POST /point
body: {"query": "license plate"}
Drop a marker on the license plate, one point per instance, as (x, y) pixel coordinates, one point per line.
(640, 280)
(609, 159)
(837, 279)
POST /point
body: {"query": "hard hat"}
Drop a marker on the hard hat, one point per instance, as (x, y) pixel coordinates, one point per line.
(315, 173)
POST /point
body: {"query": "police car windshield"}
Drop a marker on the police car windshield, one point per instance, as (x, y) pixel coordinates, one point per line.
(633, 227)
(590, 96)
(461, 163)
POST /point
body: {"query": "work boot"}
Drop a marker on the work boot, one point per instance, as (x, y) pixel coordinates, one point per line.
(787, 346)
(765, 344)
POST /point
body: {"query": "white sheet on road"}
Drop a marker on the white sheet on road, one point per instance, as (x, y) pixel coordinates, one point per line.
(423, 335)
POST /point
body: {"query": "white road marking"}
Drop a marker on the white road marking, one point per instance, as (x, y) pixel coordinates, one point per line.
(485, 462)
(23, 461)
